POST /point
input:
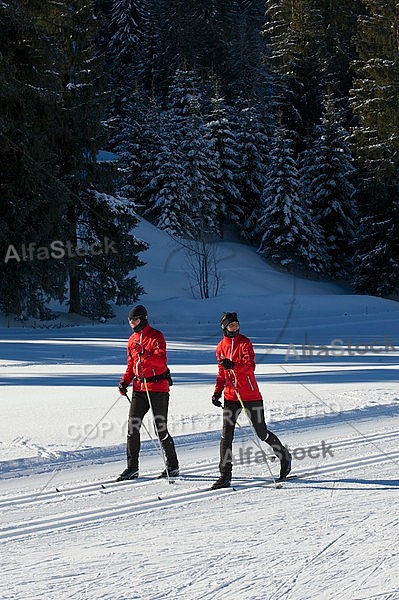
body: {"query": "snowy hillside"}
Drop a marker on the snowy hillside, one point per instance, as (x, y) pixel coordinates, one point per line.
(327, 364)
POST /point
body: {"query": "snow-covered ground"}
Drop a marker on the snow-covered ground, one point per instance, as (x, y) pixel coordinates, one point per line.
(69, 532)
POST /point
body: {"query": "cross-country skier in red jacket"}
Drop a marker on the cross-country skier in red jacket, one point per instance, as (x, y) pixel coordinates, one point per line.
(236, 378)
(147, 369)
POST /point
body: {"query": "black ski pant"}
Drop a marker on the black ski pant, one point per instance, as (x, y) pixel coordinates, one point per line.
(256, 413)
(138, 409)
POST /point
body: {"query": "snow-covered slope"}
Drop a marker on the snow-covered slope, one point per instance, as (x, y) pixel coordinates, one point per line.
(330, 533)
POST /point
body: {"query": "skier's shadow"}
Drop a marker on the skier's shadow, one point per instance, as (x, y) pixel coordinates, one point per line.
(352, 483)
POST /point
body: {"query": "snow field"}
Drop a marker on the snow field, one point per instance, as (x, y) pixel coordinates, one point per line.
(69, 532)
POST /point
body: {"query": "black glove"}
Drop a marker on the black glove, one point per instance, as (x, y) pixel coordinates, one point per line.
(216, 399)
(122, 387)
(227, 363)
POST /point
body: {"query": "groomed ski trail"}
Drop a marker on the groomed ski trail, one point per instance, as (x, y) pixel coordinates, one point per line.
(162, 501)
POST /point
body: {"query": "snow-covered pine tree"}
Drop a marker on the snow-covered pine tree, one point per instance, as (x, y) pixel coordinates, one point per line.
(184, 197)
(327, 182)
(225, 153)
(253, 150)
(128, 21)
(289, 235)
(167, 198)
(293, 32)
(87, 216)
(376, 259)
(126, 51)
(137, 144)
(339, 28)
(310, 43)
(30, 212)
(106, 222)
(152, 50)
(192, 34)
(374, 90)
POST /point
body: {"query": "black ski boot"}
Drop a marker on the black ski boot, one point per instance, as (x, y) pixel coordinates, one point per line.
(128, 473)
(171, 472)
(223, 482)
(225, 476)
(285, 464)
(225, 469)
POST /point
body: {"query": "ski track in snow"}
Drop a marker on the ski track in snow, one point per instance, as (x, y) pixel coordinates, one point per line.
(170, 499)
(311, 573)
(107, 486)
(330, 533)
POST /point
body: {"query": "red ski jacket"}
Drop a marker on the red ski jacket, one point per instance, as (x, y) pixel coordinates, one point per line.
(151, 365)
(239, 349)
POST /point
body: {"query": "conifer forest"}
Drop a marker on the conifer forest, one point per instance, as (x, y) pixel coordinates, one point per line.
(277, 117)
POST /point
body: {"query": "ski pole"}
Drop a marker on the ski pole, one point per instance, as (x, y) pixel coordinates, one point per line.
(232, 377)
(153, 418)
